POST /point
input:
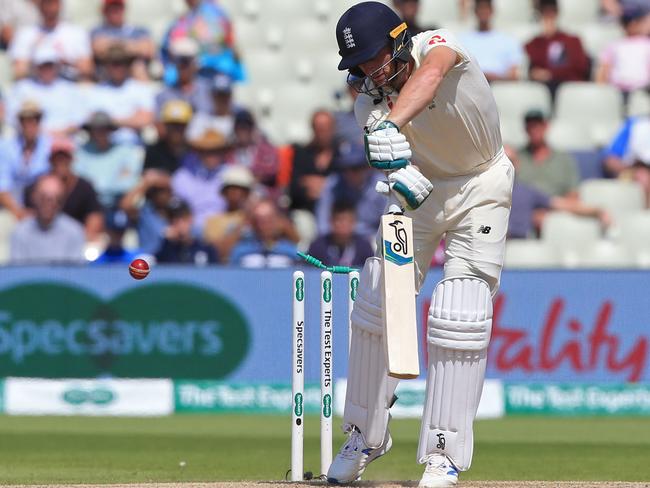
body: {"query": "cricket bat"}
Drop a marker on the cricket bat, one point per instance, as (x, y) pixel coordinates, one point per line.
(398, 290)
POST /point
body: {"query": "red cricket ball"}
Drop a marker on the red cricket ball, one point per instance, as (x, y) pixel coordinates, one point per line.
(139, 269)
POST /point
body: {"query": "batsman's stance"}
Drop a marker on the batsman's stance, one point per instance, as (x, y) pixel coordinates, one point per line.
(424, 100)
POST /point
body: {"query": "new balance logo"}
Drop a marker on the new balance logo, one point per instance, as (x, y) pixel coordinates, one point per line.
(347, 37)
(484, 229)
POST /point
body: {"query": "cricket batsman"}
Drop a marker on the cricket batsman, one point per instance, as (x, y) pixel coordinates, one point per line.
(432, 125)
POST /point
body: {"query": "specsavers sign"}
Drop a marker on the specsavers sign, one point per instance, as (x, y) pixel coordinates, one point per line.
(51, 330)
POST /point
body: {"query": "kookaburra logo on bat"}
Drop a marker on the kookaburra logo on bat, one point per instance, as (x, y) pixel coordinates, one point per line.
(401, 246)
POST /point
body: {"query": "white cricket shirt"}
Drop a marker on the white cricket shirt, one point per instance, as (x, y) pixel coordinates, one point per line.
(459, 131)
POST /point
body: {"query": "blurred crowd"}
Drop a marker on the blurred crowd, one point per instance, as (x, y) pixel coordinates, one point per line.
(116, 146)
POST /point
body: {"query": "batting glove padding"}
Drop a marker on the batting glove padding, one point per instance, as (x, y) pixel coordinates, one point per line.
(386, 148)
(409, 186)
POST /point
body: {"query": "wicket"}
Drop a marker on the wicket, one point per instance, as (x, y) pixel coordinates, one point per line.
(326, 367)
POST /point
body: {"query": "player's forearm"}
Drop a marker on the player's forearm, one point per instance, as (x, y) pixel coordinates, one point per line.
(421, 88)
(417, 94)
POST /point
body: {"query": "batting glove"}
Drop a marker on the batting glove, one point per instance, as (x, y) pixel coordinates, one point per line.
(410, 187)
(386, 148)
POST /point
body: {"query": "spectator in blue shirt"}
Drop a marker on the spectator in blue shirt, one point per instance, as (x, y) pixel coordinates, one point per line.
(353, 182)
(180, 245)
(499, 55)
(116, 223)
(113, 29)
(264, 247)
(23, 158)
(342, 246)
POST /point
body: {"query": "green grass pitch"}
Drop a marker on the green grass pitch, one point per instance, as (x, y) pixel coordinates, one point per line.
(228, 447)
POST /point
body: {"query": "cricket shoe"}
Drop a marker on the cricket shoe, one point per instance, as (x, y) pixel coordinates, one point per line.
(439, 472)
(353, 458)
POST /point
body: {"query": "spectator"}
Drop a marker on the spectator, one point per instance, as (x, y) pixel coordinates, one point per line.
(408, 11)
(629, 154)
(169, 151)
(129, 102)
(49, 236)
(180, 245)
(264, 247)
(198, 182)
(254, 151)
(147, 204)
(341, 245)
(186, 85)
(225, 229)
(137, 40)
(207, 24)
(555, 56)
(222, 116)
(551, 172)
(353, 183)
(312, 163)
(15, 14)
(112, 168)
(72, 43)
(117, 222)
(625, 63)
(80, 200)
(23, 158)
(498, 54)
(530, 206)
(58, 98)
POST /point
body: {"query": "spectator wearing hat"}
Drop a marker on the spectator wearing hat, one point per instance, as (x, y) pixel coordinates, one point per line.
(58, 98)
(555, 56)
(23, 158)
(198, 182)
(208, 25)
(137, 40)
(186, 85)
(129, 102)
(625, 63)
(49, 236)
(111, 167)
(80, 199)
(552, 172)
(253, 150)
(408, 10)
(169, 151)
(71, 42)
(15, 14)
(263, 245)
(116, 223)
(352, 182)
(499, 55)
(222, 116)
(147, 205)
(312, 163)
(342, 245)
(180, 245)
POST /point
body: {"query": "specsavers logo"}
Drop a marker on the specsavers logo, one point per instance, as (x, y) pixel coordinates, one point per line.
(156, 331)
(94, 396)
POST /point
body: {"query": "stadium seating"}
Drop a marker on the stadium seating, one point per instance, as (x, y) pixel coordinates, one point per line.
(440, 12)
(638, 103)
(514, 99)
(568, 136)
(530, 253)
(595, 37)
(576, 105)
(570, 235)
(512, 12)
(618, 197)
(604, 254)
(574, 12)
(634, 235)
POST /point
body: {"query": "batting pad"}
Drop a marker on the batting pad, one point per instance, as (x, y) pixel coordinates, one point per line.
(459, 325)
(369, 388)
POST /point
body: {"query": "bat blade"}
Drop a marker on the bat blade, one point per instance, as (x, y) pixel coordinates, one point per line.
(398, 290)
